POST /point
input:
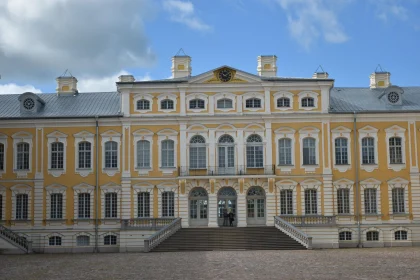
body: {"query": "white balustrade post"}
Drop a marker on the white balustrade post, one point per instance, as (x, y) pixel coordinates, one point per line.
(212, 210)
(241, 210)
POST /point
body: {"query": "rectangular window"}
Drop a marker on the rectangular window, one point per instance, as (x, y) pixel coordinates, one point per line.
(111, 205)
(21, 207)
(370, 201)
(56, 206)
(198, 157)
(83, 240)
(395, 150)
(343, 201)
(309, 152)
(285, 151)
(85, 155)
(57, 155)
(1, 157)
(311, 204)
(143, 154)
(372, 236)
(22, 160)
(254, 156)
(286, 202)
(110, 240)
(168, 204)
(84, 206)
(143, 200)
(398, 200)
(368, 150)
(341, 156)
(345, 236)
(168, 153)
(253, 103)
(111, 154)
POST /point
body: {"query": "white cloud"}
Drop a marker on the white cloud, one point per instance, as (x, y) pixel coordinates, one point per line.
(310, 19)
(105, 84)
(39, 39)
(183, 12)
(386, 9)
(17, 89)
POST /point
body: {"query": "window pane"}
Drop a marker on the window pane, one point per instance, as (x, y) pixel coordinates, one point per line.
(22, 161)
(143, 105)
(286, 202)
(143, 153)
(370, 201)
(21, 207)
(84, 155)
(83, 240)
(1, 157)
(395, 150)
(311, 203)
(285, 151)
(343, 201)
(84, 206)
(111, 205)
(398, 205)
(168, 204)
(341, 156)
(309, 153)
(111, 154)
(57, 155)
(168, 153)
(368, 150)
(224, 103)
(56, 206)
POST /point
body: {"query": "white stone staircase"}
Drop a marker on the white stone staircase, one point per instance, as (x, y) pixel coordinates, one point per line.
(12, 243)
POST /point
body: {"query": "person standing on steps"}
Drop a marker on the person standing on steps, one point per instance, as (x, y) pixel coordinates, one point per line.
(231, 218)
(225, 217)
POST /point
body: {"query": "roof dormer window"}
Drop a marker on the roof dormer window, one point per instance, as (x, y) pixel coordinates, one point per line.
(28, 104)
(393, 97)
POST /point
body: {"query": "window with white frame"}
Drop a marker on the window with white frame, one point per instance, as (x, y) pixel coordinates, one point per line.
(198, 155)
(368, 150)
(57, 155)
(143, 154)
(197, 104)
(253, 103)
(110, 240)
(370, 201)
(168, 153)
(143, 104)
(83, 240)
(309, 151)
(226, 152)
(54, 241)
(343, 201)
(308, 102)
(1, 156)
(283, 102)
(285, 151)
(395, 150)
(21, 207)
(168, 204)
(398, 200)
(56, 206)
(345, 236)
(286, 202)
(341, 153)
(372, 235)
(400, 235)
(254, 151)
(143, 204)
(1, 206)
(111, 154)
(167, 104)
(22, 159)
(224, 103)
(85, 155)
(311, 203)
(111, 205)
(83, 205)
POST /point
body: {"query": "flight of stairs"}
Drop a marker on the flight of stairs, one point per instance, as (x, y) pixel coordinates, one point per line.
(228, 238)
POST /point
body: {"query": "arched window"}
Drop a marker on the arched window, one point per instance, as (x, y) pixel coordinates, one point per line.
(110, 240)
(168, 153)
(345, 236)
(167, 104)
(1, 156)
(309, 151)
(254, 152)
(308, 102)
(226, 149)
(197, 104)
(143, 154)
(111, 205)
(57, 155)
(286, 202)
(368, 150)
(395, 150)
(370, 201)
(54, 241)
(401, 235)
(198, 156)
(143, 204)
(168, 204)
(143, 104)
(341, 156)
(56, 207)
(372, 236)
(255, 205)
(22, 160)
(83, 240)
(85, 155)
(283, 102)
(21, 207)
(253, 103)
(398, 205)
(343, 201)
(111, 154)
(224, 103)
(285, 151)
(311, 203)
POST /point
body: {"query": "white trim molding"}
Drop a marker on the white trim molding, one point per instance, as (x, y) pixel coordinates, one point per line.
(3, 140)
(84, 136)
(396, 131)
(371, 183)
(368, 131)
(343, 184)
(225, 95)
(342, 132)
(56, 189)
(250, 95)
(403, 184)
(192, 96)
(21, 189)
(111, 188)
(111, 135)
(281, 133)
(169, 96)
(314, 185)
(287, 185)
(143, 96)
(304, 94)
(147, 135)
(83, 188)
(168, 134)
(57, 137)
(19, 137)
(283, 94)
(311, 132)
(3, 203)
(139, 188)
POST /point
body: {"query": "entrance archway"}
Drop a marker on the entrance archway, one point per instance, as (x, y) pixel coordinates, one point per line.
(198, 207)
(226, 199)
(255, 206)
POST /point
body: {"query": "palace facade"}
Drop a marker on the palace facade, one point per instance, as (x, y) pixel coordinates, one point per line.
(340, 164)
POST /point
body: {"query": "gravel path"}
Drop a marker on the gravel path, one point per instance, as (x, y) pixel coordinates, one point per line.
(383, 263)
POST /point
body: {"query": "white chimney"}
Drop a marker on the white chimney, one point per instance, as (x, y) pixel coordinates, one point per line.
(380, 79)
(66, 85)
(126, 79)
(181, 66)
(320, 75)
(267, 65)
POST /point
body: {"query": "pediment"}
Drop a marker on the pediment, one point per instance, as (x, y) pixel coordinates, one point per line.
(309, 129)
(341, 129)
(22, 135)
(226, 127)
(285, 130)
(395, 128)
(110, 133)
(143, 132)
(238, 76)
(370, 181)
(167, 131)
(343, 182)
(398, 181)
(254, 127)
(83, 134)
(56, 134)
(286, 182)
(197, 127)
(368, 129)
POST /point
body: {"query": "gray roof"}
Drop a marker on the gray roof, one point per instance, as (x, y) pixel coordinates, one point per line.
(86, 104)
(348, 100)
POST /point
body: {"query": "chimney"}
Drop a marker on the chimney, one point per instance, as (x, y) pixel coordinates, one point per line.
(267, 65)
(380, 79)
(126, 79)
(181, 66)
(66, 84)
(320, 73)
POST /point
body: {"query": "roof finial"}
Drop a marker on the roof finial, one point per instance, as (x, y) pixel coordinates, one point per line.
(66, 72)
(319, 67)
(380, 68)
(181, 52)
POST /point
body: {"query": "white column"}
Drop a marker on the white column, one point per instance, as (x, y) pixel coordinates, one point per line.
(267, 100)
(212, 210)
(239, 104)
(183, 145)
(268, 146)
(212, 149)
(182, 101)
(328, 195)
(270, 206)
(241, 210)
(125, 200)
(126, 165)
(183, 210)
(125, 103)
(240, 148)
(38, 194)
(211, 105)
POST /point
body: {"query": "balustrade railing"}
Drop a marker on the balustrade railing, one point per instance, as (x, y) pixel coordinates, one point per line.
(161, 235)
(16, 239)
(223, 171)
(293, 232)
(146, 223)
(306, 221)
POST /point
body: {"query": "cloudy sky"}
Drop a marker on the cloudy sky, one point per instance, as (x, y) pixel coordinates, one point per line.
(98, 40)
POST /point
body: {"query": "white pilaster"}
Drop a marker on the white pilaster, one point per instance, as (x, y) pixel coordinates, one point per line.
(415, 195)
(328, 195)
(240, 152)
(239, 104)
(125, 103)
(325, 98)
(212, 150)
(182, 101)
(270, 206)
(183, 210)
(125, 200)
(267, 100)
(241, 210)
(38, 203)
(211, 105)
(268, 146)
(183, 145)
(213, 210)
